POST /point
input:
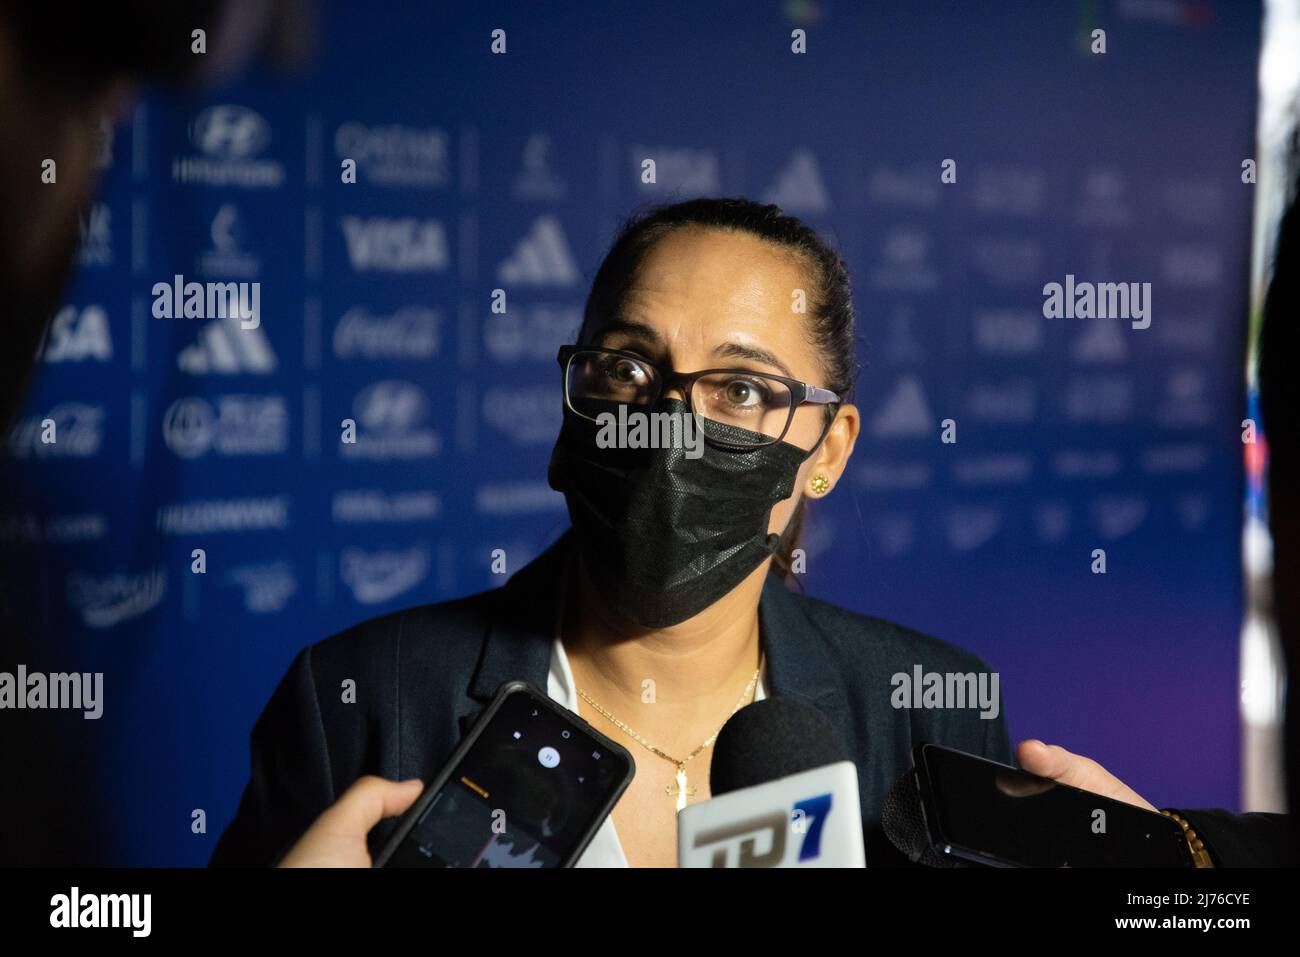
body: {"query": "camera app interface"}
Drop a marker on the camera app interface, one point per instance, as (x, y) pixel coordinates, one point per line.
(521, 797)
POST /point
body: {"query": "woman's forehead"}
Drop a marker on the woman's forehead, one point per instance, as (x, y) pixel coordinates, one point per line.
(728, 266)
(700, 289)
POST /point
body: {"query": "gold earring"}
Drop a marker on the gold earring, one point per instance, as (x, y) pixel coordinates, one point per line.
(820, 484)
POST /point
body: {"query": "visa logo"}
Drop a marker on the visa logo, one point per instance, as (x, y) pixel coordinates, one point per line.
(738, 844)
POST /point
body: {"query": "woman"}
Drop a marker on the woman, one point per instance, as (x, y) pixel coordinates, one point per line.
(672, 580)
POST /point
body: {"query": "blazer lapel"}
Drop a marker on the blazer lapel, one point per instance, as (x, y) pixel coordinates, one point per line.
(519, 639)
(798, 662)
(800, 665)
(518, 643)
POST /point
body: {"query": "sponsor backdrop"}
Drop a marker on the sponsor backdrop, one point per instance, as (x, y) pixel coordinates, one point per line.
(180, 430)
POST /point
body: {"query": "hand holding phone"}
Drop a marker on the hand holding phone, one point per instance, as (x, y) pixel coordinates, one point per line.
(982, 812)
(528, 787)
(338, 837)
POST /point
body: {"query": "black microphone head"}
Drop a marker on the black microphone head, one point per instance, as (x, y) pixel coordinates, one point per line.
(903, 821)
(771, 739)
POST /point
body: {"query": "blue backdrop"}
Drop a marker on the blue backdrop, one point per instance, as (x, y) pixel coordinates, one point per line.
(478, 171)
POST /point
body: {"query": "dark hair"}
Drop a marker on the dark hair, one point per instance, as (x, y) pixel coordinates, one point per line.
(830, 300)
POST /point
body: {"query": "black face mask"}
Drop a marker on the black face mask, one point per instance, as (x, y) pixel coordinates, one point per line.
(663, 536)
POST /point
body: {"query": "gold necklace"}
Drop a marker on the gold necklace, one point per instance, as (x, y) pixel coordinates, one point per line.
(680, 790)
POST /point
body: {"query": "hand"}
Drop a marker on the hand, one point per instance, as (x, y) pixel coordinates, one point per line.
(338, 837)
(1053, 761)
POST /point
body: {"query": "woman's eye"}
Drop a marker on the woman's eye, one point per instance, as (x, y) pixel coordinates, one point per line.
(744, 392)
(627, 372)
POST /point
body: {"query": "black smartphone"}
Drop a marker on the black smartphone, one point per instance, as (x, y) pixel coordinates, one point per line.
(527, 787)
(990, 813)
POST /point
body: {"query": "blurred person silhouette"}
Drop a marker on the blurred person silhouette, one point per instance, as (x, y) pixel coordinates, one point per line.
(68, 72)
(1279, 395)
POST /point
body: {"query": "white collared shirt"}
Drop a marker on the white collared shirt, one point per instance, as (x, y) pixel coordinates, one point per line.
(604, 849)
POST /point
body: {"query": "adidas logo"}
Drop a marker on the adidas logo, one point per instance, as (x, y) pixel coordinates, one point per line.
(799, 188)
(224, 348)
(904, 413)
(541, 258)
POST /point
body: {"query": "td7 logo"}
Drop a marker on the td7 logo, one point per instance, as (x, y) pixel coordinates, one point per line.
(737, 845)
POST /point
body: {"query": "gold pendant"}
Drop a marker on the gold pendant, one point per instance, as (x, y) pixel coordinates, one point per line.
(680, 790)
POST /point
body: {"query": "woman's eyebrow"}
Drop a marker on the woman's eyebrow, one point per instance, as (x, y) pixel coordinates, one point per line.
(734, 350)
(630, 327)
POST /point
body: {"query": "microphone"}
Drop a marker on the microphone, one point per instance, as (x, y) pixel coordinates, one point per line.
(903, 820)
(784, 794)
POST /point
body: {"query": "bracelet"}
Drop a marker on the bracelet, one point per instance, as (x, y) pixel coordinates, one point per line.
(1200, 855)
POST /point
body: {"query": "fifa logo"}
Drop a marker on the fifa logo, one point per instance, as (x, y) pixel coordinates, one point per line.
(737, 845)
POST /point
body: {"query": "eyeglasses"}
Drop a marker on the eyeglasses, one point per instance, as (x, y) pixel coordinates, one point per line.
(759, 407)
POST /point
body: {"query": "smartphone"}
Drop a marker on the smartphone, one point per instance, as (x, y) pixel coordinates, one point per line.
(527, 787)
(989, 813)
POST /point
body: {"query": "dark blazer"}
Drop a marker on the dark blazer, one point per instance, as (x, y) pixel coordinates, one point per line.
(422, 676)
(1254, 839)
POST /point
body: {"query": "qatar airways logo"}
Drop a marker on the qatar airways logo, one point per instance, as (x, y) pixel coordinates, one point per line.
(396, 155)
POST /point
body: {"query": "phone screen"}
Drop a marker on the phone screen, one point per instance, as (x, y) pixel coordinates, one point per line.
(526, 794)
(990, 812)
